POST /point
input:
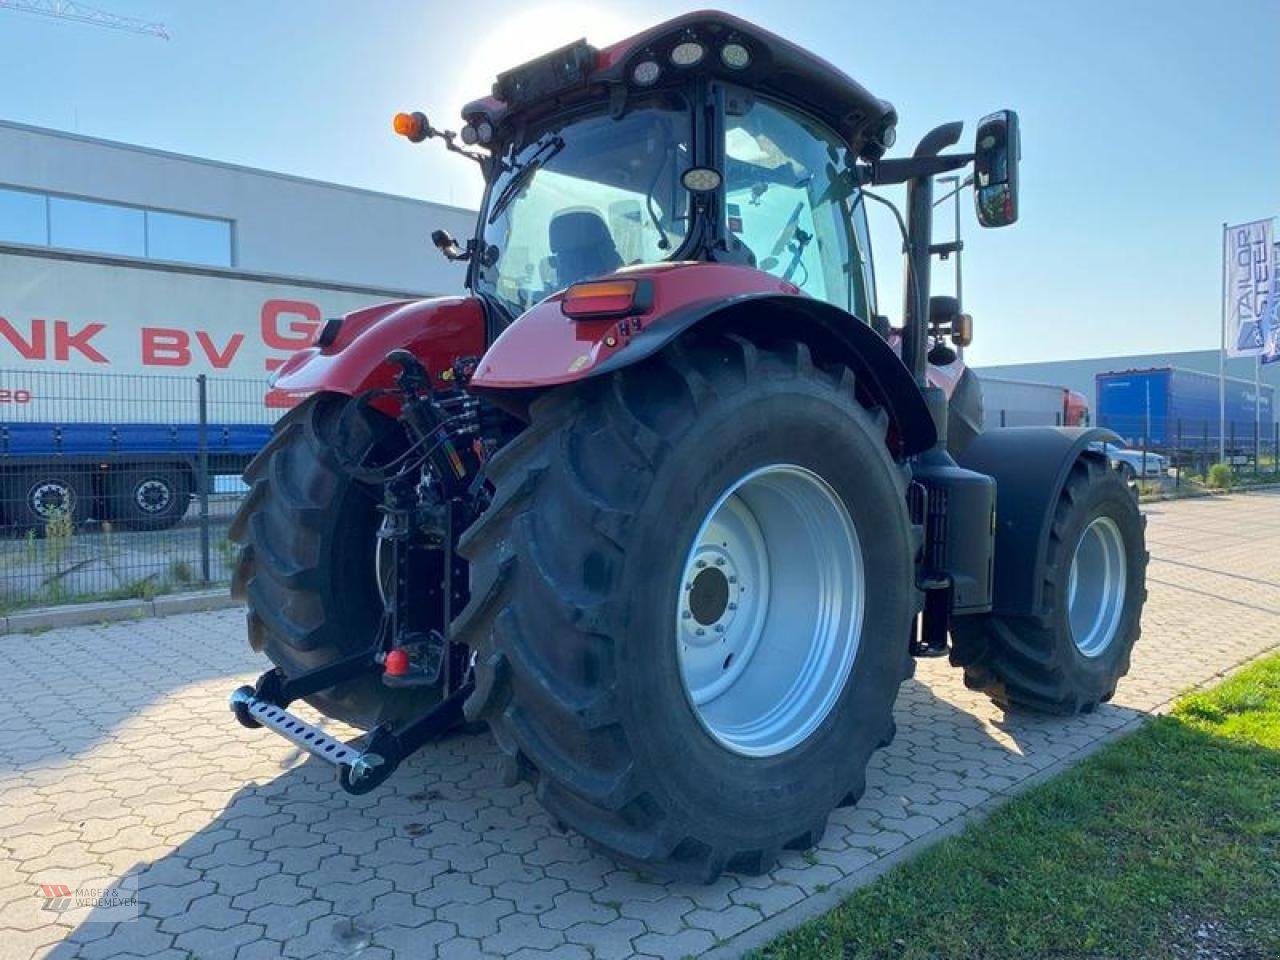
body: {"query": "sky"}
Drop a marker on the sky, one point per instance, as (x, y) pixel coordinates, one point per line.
(1145, 123)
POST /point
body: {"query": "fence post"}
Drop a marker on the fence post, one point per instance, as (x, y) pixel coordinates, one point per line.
(1257, 447)
(202, 389)
(1002, 423)
(1178, 454)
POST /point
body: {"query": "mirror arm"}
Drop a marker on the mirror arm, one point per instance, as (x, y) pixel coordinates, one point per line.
(902, 169)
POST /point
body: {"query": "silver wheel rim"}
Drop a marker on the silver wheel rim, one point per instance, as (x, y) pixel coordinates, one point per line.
(1096, 586)
(770, 610)
(152, 496)
(51, 498)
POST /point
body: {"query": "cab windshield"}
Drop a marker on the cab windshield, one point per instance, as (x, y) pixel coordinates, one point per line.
(585, 198)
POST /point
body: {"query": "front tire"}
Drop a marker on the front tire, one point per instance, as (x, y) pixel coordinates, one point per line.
(579, 577)
(1070, 655)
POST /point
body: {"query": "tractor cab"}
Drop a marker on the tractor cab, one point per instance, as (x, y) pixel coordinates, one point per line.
(703, 139)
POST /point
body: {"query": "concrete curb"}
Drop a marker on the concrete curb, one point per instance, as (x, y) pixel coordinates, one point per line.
(84, 614)
(818, 904)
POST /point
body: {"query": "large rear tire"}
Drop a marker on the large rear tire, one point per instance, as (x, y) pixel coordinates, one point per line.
(591, 620)
(1070, 655)
(307, 567)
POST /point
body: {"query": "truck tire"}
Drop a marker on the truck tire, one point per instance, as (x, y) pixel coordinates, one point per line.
(308, 543)
(148, 496)
(34, 497)
(678, 638)
(1070, 655)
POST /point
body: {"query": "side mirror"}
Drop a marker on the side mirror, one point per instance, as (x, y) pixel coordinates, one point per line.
(995, 169)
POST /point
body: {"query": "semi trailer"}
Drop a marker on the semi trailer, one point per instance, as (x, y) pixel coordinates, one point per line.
(1021, 403)
(100, 406)
(1176, 409)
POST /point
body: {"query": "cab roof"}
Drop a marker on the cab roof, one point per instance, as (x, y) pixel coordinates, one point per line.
(776, 67)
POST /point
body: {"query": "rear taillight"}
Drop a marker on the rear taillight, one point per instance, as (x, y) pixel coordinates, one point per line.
(600, 299)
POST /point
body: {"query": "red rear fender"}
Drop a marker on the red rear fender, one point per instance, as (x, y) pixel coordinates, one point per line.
(544, 347)
(436, 331)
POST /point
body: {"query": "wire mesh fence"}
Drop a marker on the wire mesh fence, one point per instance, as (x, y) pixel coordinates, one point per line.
(117, 486)
(1172, 451)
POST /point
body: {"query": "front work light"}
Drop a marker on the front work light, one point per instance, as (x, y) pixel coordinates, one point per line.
(646, 73)
(700, 179)
(687, 54)
(735, 56)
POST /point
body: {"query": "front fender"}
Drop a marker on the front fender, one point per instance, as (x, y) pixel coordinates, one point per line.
(544, 348)
(436, 331)
(1030, 466)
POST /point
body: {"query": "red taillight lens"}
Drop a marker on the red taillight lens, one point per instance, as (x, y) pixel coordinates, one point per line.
(601, 298)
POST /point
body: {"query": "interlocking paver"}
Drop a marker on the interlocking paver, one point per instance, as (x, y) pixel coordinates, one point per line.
(123, 755)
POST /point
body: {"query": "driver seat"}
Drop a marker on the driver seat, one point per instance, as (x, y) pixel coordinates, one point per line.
(582, 245)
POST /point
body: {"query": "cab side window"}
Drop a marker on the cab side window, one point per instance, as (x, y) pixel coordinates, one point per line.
(781, 205)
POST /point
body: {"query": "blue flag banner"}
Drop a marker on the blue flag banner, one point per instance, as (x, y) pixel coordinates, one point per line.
(1250, 282)
(1271, 314)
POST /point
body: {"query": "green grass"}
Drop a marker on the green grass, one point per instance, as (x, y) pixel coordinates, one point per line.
(1165, 844)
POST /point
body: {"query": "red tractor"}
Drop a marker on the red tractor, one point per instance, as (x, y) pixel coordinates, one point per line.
(664, 500)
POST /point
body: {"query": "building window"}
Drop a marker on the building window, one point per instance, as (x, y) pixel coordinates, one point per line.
(99, 227)
(95, 226)
(175, 236)
(22, 217)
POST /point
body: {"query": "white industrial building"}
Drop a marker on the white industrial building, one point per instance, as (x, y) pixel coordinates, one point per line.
(1079, 375)
(116, 258)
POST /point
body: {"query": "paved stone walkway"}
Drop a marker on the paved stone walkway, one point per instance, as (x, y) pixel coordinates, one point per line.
(118, 756)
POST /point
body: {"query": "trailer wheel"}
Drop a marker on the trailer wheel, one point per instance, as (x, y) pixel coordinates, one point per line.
(307, 566)
(148, 497)
(37, 498)
(691, 600)
(1069, 656)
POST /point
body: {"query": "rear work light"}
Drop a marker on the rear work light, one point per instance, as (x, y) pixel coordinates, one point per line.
(606, 298)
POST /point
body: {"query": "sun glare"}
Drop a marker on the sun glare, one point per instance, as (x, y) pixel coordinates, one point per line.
(527, 35)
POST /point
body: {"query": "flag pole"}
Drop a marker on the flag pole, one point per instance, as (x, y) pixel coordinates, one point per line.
(1257, 409)
(1222, 358)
